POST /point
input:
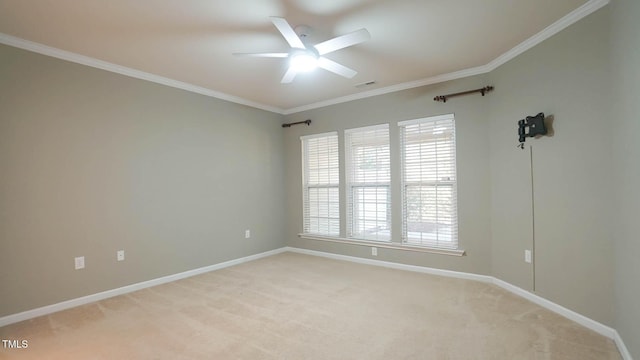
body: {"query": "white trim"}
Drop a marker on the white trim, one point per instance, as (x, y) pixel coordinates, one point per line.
(564, 22)
(569, 314)
(558, 309)
(393, 265)
(384, 245)
(123, 70)
(427, 119)
(49, 309)
(367, 128)
(626, 355)
(536, 299)
(313, 136)
(391, 89)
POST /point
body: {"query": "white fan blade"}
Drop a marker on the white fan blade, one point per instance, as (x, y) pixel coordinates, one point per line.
(288, 76)
(270, 55)
(343, 41)
(287, 31)
(336, 68)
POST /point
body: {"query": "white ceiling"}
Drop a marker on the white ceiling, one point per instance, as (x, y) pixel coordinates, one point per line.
(189, 43)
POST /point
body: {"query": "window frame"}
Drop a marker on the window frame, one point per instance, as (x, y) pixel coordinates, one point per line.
(396, 193)
(333, 154)
(449, 183)
(352, 186)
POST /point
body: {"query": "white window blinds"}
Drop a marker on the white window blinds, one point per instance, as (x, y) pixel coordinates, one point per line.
(368, 175)
(321, 201)
(429, 200)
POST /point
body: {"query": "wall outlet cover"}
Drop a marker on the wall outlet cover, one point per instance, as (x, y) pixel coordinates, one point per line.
(79, 262)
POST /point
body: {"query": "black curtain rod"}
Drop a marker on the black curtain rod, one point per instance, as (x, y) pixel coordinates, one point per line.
(483, 91)
(308, 122)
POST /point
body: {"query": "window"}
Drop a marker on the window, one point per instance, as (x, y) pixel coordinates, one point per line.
(429, 201)
(368, 175)
(321, 200)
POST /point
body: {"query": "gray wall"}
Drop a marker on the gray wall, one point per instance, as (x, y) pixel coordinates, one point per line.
(92, 162)
(566, 76)
(626, 168)
(472, 138)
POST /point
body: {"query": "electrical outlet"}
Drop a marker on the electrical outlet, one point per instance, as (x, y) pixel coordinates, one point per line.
(247, 234)
(374, 251)
(120, 255)
(79, 262)
(527, 256)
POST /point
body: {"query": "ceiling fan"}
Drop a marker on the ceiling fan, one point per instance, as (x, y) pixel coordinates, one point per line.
(306, 57)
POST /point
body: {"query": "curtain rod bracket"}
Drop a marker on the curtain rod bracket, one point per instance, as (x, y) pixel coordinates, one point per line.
(308, 122)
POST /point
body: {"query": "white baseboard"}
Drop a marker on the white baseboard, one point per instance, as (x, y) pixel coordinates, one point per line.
(392, 265)
(549, 305)
(558, 309)
(626, 355)
(569, 314)
(49, 309)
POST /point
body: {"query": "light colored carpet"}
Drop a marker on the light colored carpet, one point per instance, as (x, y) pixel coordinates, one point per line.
(293, 306)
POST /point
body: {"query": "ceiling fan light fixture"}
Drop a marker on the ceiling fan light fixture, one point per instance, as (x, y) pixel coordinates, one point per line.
(303, 62)
(304, 57)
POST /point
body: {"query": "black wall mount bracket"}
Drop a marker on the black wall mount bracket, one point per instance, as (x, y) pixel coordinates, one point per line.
(531, 126)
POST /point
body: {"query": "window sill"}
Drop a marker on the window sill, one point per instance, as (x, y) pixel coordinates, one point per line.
(385, 245)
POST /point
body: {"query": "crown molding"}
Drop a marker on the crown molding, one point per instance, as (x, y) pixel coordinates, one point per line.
(571, 18)
(390, 89)
(564, 22)
(588, 8)
(123, 70)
